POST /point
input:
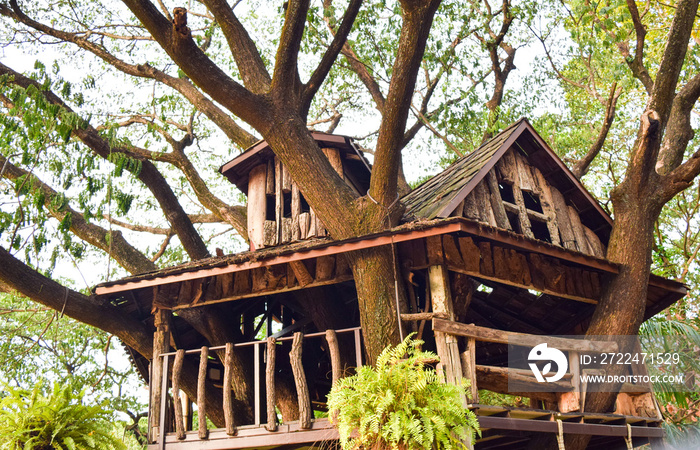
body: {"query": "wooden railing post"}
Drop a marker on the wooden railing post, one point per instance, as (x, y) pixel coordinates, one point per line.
(270, 384)
(332, 339)
(446, 344)
(228, 381)
(163, 403)
(177, 402)
(300, 382)
(469, 369)
(161, 344)
(201, 393)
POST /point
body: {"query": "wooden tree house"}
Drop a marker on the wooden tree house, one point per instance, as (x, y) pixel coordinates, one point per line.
(504, 242)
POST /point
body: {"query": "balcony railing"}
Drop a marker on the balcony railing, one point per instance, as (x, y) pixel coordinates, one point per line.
(172, 364)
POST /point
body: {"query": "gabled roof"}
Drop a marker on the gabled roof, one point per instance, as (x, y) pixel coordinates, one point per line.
(238, 168)
(439, 196)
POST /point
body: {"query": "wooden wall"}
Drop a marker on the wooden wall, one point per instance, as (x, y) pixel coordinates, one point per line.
(277, 210)
(516, 196)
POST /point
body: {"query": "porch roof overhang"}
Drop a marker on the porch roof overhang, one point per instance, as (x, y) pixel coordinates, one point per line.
(662, 292)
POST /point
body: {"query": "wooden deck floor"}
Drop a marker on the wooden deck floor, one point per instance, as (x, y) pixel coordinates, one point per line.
(502, 427)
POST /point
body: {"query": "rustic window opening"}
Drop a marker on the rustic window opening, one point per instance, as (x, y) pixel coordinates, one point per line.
(506, 191)
(287, 204)
(270, 207)
(532, 202)
(540, 231)
(514, 221)
(305, 208)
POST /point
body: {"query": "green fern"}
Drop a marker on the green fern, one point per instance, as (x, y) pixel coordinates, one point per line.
(400, 404)
(32, 421)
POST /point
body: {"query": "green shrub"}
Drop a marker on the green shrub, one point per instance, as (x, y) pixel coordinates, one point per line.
(400, 404)
(31, 421)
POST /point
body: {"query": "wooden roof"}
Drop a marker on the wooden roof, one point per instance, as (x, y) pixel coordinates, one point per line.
(238, 168)
(442, 194)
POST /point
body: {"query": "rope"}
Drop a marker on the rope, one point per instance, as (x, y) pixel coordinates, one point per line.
(628, 439)
(560, 435)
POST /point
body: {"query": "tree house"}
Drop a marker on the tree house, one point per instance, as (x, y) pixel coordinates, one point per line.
(504, 243)
(277, 211)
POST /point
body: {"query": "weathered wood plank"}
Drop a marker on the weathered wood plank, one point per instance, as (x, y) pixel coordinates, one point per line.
(300, 382)
(471, 255)
(333, 156)
(257, 205)
(324, 267)
(269, 233)
(201, 393)
(452, 256)
(270, 177)
(568, 240)
(296, 211)
(434, 250)
(594, 243)
(485, 334)
(161, 344)
(279, 197)
(301, 273)
(334, 350)
(227, 390)
(304, 225)
(271, 397)
(547, 202)
(483, 204)
(177, 402)
(241, 283)
(469, 370)
(286, 235)
(486, 266)
(524, 174)
(470, 210)
(577, 226)
(499, 212)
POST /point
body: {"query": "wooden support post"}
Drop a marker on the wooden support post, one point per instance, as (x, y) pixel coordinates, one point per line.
(163, 404)
(300, 382)
(469, 369)
(228, 385)
(177, 403)
(201, 393)
(571, 401)
(332, 339)
(446, 344)
(270, 384)
(257, 204)
(161, 344)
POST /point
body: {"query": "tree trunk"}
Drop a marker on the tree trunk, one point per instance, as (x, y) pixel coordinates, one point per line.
(374, 272)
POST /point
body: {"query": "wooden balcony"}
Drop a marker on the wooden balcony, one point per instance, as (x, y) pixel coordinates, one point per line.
(501, 426)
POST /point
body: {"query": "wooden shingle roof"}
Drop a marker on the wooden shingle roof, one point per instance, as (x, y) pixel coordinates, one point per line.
(440, 196)
(435, 197)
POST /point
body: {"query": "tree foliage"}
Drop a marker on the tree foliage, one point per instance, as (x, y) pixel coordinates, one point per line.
(30, 420)
(400, 403)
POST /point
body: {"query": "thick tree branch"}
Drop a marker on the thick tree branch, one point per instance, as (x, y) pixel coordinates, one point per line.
(679, 130)
(286, 83)
(582, 165)
(89, 310)
(148, 174)
(177, 42)
(418, 18)
(248, 60)
(110, 241)
(232, 130)
(339, 39)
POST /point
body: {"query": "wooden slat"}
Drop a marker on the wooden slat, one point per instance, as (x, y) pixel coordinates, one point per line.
(580, 235)
(226, 388)
(484, 334)
(304, 224)
(257, 204)
(269, 233)
(201, 393)
(497, 202)
(300, 381)
(296, 211)
(334, 350)
(568, 240)
(483, 204)
(594, 243)
(271, 397)
(270, 177)
(547, 202)
(177, 402)
(469, 369)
